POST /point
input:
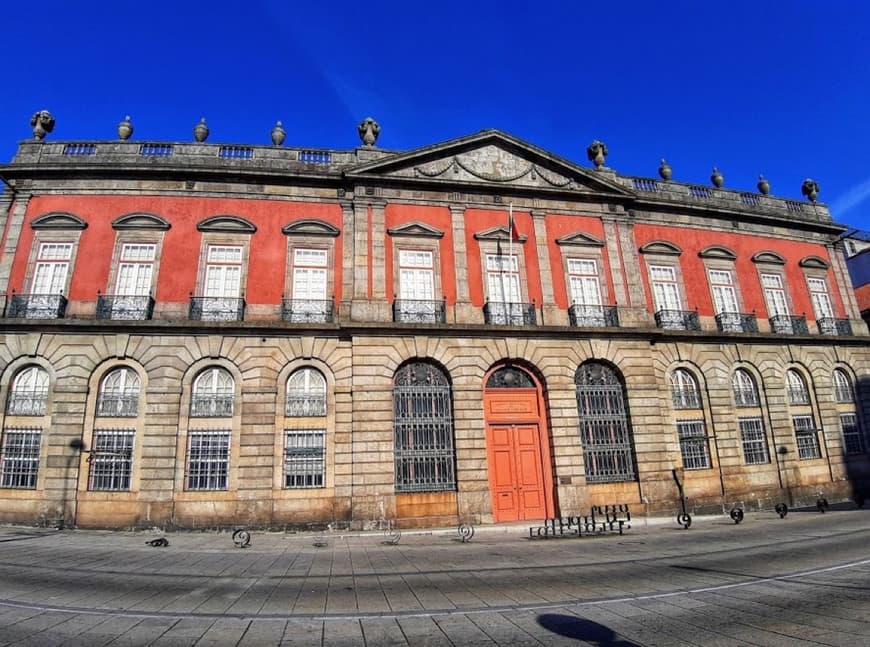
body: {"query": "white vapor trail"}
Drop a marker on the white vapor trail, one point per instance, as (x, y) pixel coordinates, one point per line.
(851, 199)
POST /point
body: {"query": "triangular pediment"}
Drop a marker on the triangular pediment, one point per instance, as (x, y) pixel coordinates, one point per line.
(580, 239)
(490, 158)
(498, 233)
(418, 229)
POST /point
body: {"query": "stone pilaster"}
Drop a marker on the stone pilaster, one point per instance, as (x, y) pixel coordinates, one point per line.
(843, 281)
(463, 311)
(369, 284)
(12, 215)
(348, 258)
(617, 275)
(550, 313)
(635, 314)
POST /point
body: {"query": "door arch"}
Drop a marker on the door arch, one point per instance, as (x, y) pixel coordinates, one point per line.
(517, 446)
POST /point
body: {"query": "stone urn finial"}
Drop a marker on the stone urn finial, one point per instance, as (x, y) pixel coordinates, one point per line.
(596, 152)
(200, 131)
(278, 134)
(368, 130)
(43, 123)
(717, 178)
(125, 129)
(665, 170)
(810, 188)
(763, 185)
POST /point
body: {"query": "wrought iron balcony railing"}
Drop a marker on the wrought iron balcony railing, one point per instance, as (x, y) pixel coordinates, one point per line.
(798, 396)
(593, 316)
(307, 311)
(419, 311)
(685, 398)
(509, 314)
(217, 309)
(677, 320)
(736, 322)
(211, 406)
(36, 306)
(304, 406)
(118, 405)
(124, 307)
(832, 326)
(789, 325)
(27, 403)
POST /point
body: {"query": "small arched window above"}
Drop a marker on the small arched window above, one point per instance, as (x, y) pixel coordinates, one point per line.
(119, 394)
(684, 390)
(28, 395)
(843, 391)
(745, 390)
(306, 394)
(796, 387)
(213, 392)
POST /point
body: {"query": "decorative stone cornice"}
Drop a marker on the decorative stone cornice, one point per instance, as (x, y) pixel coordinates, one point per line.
(140, 221)
(661, 247)
(310, 227)
(771, 258)
(814, 262)
(580, 239)
(716, 251)
(58, 220)
(230, 224)
(417, 229)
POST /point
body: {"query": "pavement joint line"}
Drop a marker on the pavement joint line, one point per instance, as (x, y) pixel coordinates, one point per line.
(325, 617)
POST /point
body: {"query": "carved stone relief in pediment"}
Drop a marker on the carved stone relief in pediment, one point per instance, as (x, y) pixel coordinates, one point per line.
(491, 164)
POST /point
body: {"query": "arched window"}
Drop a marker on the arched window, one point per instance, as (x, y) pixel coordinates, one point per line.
(213, 392)
(423, 428)
(843, 386)
(305, 440)
(684, 390)
(119, 394)
(797, 388)
(745, 391)
(605, 432)
(306, 394)
(28, 395)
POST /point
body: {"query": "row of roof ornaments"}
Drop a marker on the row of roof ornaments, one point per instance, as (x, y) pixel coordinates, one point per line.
(369, 129)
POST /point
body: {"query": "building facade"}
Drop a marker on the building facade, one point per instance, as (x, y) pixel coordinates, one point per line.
(201, 335)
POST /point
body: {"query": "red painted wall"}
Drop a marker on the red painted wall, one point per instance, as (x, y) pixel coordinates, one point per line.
(181, 243)
(692, 241)
(436, 217)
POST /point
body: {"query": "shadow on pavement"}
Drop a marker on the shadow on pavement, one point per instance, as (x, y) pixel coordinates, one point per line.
(583, 629)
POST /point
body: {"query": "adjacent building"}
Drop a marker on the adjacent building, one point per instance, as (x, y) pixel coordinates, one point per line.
(201, 335)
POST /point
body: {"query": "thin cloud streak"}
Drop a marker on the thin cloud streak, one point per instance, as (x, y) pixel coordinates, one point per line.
(851, 199)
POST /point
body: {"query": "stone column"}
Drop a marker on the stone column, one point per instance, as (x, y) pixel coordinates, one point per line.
(551, 314)
(463, 311)
(369, 284)
(843, 281)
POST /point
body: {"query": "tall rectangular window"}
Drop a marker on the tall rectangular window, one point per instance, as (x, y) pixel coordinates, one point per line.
(135, 269)
(503, 278)
(208, 460)
(806, 437)
(52, 265)
(693, 444)
(304, 463)
(416, 275)
(111, 460)
(754, 441)
(774, 295)
(309, 274)
(724, 295)
(584, 281)
(223, 271)
(19, 462)
(820, 298)
(852, 441)
(666, 293)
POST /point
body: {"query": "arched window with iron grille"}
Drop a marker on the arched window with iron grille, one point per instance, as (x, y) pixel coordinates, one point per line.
(605, 430)
(425, 454)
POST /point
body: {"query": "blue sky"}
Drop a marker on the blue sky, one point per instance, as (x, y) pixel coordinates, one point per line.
(774, 87)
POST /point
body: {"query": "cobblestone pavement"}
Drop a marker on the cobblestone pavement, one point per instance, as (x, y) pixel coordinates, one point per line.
(804, 579)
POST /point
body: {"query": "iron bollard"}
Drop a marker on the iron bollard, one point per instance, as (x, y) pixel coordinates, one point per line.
(822, 505)
(781, 510)
(392, 536)
(242, 538)
(466, 532)
(160, 542)
(736, 514)
(684, 518)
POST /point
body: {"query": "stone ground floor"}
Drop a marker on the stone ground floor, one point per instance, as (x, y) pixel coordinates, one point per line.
(167, 427)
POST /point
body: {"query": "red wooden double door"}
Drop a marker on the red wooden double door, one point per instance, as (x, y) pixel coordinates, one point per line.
(518, 455)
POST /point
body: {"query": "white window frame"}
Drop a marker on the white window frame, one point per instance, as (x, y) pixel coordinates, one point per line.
(584, 280)
(796, 385)
(28, 393)
(119, 393)
(685, 391)
(135, 273)
(723, 290)
(844, 393)
(306, 394)
(754, 441)
(665, 287)
(775, 295)
(51, 267)
(744, 388)
(820, 297)
(416, 275)
(214, 390)
(503, 278)
(223, 271)
(310, 274)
